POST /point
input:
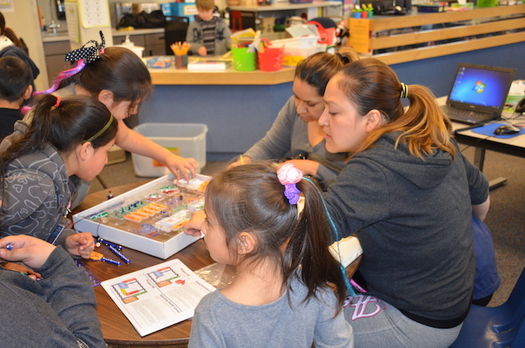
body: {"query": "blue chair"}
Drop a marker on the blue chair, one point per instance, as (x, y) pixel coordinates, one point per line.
(496, 327)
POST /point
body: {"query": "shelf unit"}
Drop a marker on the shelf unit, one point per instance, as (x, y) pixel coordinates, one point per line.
(250, 14)
(399, 39)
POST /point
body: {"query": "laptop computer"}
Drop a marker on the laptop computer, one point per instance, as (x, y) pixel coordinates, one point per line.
(478, 93)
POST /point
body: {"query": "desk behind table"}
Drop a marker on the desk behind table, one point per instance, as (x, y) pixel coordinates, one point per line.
(116, 328)
(464, 134)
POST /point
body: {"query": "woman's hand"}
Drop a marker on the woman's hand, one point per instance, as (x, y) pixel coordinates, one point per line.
(308, 167)
(242, 160)
(33, 252)
(81, 244)
(181, 167)
(193, 227)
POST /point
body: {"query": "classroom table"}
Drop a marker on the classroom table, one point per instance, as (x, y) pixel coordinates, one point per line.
(116, 328)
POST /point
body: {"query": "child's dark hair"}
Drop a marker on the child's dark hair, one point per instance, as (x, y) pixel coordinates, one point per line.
(317, 69)
(250, 198)
(15, 77)
(65, 124)
(120, 71)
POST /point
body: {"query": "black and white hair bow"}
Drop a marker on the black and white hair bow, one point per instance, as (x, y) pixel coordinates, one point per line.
(89, 52)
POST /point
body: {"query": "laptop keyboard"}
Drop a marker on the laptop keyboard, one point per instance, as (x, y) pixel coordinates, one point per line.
(462, 115)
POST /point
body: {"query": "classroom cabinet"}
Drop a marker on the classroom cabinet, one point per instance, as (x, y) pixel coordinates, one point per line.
(153, 43)
(55, 58)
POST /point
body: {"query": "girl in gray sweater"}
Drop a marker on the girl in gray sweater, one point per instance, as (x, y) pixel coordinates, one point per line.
(66, 137)
(289, 290)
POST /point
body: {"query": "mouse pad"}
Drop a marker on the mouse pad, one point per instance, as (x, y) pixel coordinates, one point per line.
(491, 127)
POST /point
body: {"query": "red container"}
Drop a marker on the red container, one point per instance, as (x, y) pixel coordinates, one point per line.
(271, 59)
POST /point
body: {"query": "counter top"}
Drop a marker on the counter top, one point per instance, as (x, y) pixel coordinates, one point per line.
(172, 76)
(50, 37)
(64, 36)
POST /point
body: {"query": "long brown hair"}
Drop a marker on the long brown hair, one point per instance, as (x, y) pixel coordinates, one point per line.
(371, 84)
(251, 198)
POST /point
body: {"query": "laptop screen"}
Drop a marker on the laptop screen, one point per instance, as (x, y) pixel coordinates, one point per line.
(481, 85)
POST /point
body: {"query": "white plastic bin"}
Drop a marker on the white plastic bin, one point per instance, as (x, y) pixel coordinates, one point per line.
(183, 139)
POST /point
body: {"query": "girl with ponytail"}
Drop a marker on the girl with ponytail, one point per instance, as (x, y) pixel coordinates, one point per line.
(70, 136)
(408, 194)
(289, 289)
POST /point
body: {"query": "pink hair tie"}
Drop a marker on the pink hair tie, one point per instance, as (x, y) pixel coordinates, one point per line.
(288, 176)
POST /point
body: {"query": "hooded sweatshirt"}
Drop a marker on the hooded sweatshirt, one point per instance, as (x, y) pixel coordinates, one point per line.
(56, 311)
(413, 220)
(36, 195)
(195, 37)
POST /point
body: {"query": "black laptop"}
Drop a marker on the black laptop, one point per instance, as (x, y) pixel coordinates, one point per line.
(478, 93)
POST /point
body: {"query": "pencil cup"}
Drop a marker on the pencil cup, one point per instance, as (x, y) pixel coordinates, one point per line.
(181, 61)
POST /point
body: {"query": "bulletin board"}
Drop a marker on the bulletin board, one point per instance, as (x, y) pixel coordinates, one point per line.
(94, 13)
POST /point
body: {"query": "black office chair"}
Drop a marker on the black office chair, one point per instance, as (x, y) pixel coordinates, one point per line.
(175, 31)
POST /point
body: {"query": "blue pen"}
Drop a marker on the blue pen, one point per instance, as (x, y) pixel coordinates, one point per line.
(9, 246)
(119, 254)
(103, 241)
(115, 262)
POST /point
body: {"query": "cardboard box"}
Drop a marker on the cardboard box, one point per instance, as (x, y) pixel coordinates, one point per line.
(180, 9)
(183, 139)
(87, 221)
(116, 155)
(145, 6)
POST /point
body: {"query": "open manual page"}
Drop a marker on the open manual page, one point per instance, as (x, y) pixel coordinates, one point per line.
(159, 296)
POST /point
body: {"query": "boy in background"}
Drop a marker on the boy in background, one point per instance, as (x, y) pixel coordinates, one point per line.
(208, 35)
(15, 87)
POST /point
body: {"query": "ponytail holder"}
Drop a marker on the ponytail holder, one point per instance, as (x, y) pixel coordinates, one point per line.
(57, 103)
(343, 59)
(404, 90)
(288, 176)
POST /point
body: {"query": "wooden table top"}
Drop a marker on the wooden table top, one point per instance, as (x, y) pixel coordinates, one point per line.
(116, 328)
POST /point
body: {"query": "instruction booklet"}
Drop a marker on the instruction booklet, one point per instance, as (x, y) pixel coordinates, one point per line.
(159, 296)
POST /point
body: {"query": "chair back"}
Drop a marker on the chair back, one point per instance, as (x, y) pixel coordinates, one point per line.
(175, 31)
(496, 327)
(516, 306)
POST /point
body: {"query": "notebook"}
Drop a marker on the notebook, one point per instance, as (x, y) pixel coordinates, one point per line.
(478, 93)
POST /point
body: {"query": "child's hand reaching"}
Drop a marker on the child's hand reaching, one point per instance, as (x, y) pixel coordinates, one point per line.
(81, 244)
(202, 51)
(181, 167)
(193, 227)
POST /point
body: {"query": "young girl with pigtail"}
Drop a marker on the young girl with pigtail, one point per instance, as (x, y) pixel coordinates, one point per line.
(70, 136)
(289, 289)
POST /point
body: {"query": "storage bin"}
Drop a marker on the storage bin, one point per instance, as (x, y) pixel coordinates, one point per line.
(183, 139)
(244, 60)
(271, 59)
(293, 55)
(179, 9)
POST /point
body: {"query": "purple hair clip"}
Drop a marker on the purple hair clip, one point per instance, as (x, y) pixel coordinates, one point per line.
(288, 176)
